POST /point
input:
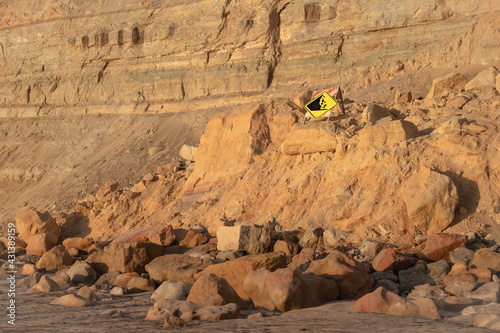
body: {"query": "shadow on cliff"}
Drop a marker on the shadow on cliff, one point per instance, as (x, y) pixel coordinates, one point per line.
(76, 225)
(469, 194)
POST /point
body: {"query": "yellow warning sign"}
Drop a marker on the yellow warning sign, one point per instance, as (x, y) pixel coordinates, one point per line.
(321, 104)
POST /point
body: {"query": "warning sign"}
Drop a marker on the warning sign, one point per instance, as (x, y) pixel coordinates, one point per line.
(321, 104)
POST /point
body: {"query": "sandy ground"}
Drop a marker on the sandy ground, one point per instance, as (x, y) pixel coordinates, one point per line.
(35, 314)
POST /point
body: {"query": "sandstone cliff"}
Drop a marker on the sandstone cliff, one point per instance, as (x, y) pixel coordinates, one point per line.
(165, 56)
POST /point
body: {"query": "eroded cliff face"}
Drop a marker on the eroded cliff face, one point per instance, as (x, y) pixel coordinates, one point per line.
(164, 56)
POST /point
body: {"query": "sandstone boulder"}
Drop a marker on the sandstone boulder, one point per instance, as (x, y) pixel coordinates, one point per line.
(30, 222)
(233, 139)
(431, 199)
(39, 244)
(188, 152)
(250, 238)
(140, 285)
(351, 276)
(123, 279)
(452, 80)
(190, 311)
(427, 291)
(106, 280)
(79, 243)
(458, 272)
(386, 302)
(210, 290)
(459, 287)
(45, 285)
(489, 321)
(487, 293)
(87, 293)
(28, 269)
(82, 272)
(486, 258)
(55, 259)
(308, 139)
(439, 246)
(373, 113)
(176, 290)
(235, 271)
(288, 289)
(390, 260)
(29, 281)
(387, 133)
(176, 267)
(63, 280)
(125, 257)
(486, 78)
(159, 234)
(461, 255)
(72, 300)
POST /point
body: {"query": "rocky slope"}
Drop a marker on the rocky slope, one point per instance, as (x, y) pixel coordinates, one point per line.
(60, 59)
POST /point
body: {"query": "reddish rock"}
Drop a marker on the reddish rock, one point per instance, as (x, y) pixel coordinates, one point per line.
(439, 246)
(39, 244)
(390, 260)
(352, 277)
(79, 243)
(210, 290)
(386, 302)
(30, 222)
(28, 269)
(288, 289)
(486, 258)
(159, 234)
(235, 271)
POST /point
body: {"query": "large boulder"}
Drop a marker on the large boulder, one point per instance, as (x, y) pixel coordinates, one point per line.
(55, 259)
(39, 244)
(188, 152)
(235, 271)
(125, 257)
(308, 139)
(210, 289)
(45, 285)
(486, 78)
(352, 277)
(439, 246)
(159, 234)
(386, 302)
(176, 267)
(288, 289)
(487, 293)
(422, 273)
(176, 290)
(431, 199)
(140, 284)
(233, 139)
(386, 133)
(250, 238)
(452, 80)
(30, 222)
